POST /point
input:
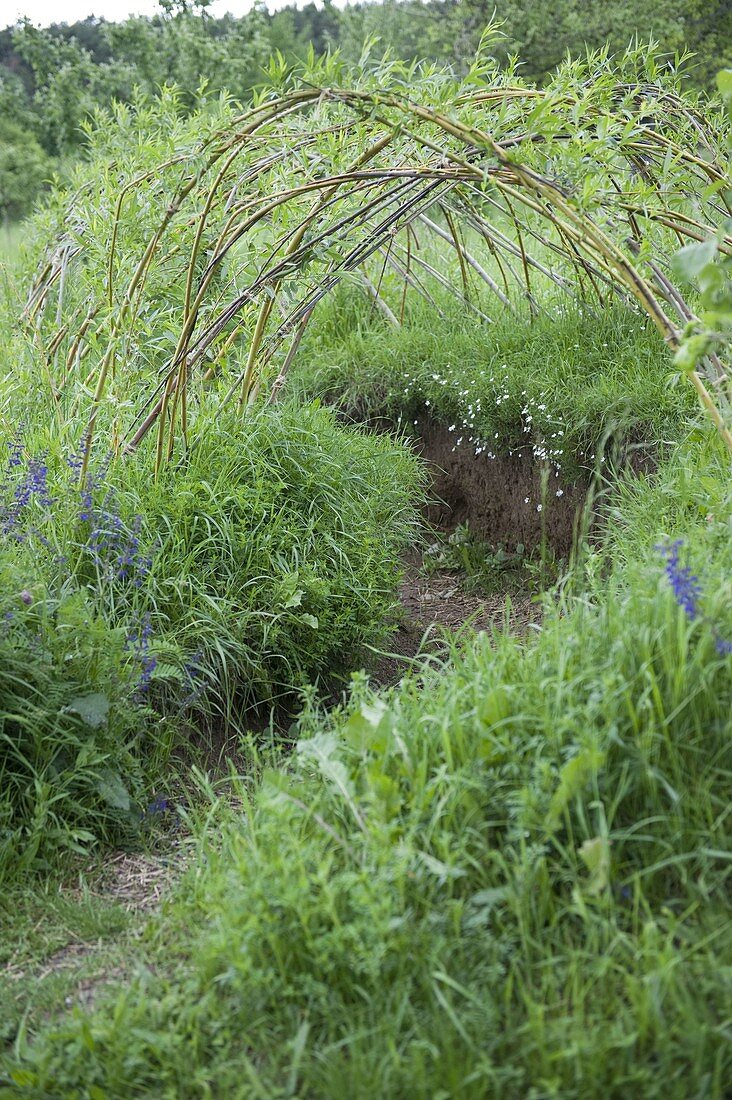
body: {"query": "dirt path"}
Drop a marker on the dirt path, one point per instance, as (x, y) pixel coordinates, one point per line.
(435, 602)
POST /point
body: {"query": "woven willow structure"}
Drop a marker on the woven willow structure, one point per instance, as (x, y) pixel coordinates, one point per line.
(217, 257)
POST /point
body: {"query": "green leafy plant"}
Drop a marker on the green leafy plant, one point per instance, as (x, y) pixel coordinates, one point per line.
(72, 736)
(265, 563)
(706, 338)
(485, 567)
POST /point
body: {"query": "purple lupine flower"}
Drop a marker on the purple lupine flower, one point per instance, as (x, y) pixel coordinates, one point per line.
(159, 805)
(114, 549)
(86, 510)
(687, 590)
(15, 458)
(129, 560)
(149, 664)
(13, 463)
(34, 484)
(684, 584)
(18, 489)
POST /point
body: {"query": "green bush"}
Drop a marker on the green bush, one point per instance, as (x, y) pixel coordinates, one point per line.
(76, 743)
(268, 561)
(277, 560)
(24, 169)
(72, 736)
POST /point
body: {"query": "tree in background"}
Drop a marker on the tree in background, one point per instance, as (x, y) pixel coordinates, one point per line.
(410, 29)
(67, 85)
(24, 165)
(542, 32)
(52, 80)
(24, 169)
(187, 47)
(294, 30)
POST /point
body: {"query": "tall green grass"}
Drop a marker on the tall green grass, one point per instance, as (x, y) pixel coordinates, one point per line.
(565, 387)
(137, 618)
(10, 239)
(507, 877)
(277, 560)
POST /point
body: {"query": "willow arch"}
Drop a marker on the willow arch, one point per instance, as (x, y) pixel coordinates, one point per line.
(587, 185)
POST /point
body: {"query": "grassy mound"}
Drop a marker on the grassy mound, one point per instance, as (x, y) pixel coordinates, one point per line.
(563, 388)
(278, 547)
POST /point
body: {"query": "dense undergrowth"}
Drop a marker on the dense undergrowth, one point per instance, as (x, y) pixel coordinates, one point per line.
(138, 615)
(509, 876)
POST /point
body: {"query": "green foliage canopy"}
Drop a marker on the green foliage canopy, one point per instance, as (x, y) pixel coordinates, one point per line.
(24, 167)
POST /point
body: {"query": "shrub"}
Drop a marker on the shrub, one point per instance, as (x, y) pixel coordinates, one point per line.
(266, 562)
(24, 168)
(277, 561)
(72, 737)
(73, 730)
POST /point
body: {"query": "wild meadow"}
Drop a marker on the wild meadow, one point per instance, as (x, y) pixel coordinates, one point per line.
(233, 861)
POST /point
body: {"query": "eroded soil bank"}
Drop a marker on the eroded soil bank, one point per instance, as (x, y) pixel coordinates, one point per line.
(507, 501)
(514, 502)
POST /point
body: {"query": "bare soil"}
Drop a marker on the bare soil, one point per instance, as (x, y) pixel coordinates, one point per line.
(506, 501)
(437, 605)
